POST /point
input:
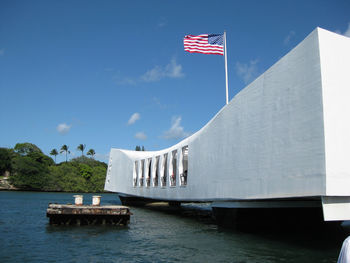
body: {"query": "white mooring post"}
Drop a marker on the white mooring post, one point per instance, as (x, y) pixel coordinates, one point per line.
(96, 200)
(78, 199)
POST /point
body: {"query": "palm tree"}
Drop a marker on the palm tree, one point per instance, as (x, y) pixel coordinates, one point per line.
(54, 152)
(65, 148)
(81, 148)
(91, 152)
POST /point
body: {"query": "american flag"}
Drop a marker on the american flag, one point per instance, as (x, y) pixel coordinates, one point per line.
(205, 44)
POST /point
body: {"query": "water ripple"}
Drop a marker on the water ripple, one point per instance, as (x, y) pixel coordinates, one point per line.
(152, 236)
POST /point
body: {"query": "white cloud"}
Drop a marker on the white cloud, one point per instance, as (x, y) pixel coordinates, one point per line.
(136, 116)
(63, 128)
(288, 38)
(102, 157)
(157, 102)
(347, 31)
(247, 71)
(176, 131)
(154, 74)
(120, 80)
(2, 51)
(171, 70)
(141, 136)
(162, 22)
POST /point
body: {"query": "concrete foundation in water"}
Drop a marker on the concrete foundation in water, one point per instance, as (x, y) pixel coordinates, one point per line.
(256, 219)
(88, 214)
(298, 215)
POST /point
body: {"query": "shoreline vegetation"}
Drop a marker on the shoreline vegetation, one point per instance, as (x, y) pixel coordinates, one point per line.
(26, 168)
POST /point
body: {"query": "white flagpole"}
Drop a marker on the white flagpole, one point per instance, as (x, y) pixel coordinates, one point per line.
(226, 68)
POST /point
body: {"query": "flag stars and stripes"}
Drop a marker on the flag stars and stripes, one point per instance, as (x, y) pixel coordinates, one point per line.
(204, 44)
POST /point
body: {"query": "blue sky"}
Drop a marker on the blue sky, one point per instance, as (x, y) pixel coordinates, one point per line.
(114, 73)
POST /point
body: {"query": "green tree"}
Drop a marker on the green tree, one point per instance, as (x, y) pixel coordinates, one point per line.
(31, 172)
(26, 148)
(97, 180)
(85, 171)
(65, 148)
(91, 152)
(68, 178)
(137, 148)
(143, 148)
(54, 152)
(81, 147)
(41, 158)
(5, 160)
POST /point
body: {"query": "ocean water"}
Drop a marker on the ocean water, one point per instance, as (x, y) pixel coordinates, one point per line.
(152, 236)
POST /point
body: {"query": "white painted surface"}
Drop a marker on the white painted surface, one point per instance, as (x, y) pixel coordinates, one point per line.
(344, 255)
(268, 142)
(336, 208)
(78, 199)
(287, 134)
(335, 59)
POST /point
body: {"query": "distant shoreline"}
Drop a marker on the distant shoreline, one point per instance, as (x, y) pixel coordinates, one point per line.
(2, 189)
(27, 168)
(6, 186)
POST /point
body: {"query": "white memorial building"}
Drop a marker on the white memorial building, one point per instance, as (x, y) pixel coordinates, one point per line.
(284, 140)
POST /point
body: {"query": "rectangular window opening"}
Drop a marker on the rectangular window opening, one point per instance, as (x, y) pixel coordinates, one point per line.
(148, 177)
(135, 173)
(183, 175)
(142, 172)
(173, 168)
(163, 179)
(156, 174)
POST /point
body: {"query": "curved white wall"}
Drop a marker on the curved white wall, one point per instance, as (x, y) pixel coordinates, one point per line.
(268, 142)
